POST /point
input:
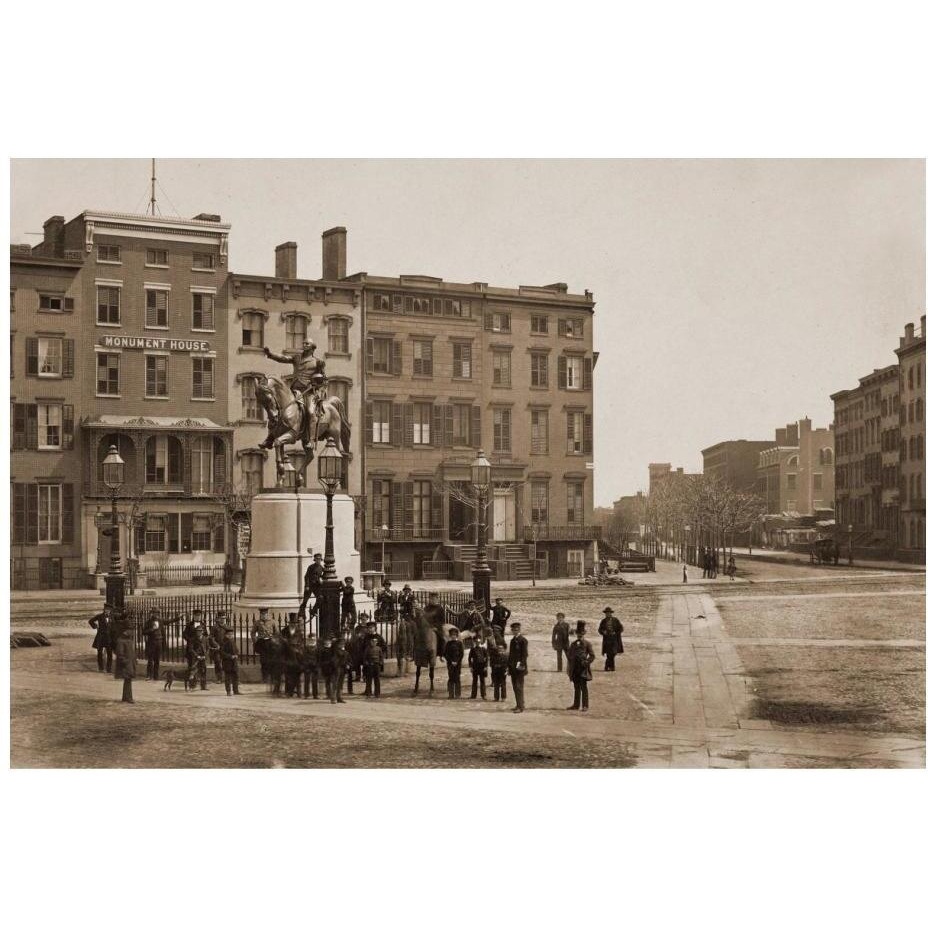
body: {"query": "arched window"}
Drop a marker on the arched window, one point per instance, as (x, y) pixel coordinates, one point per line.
(826, 456)
(163, 460)
(297, 325)
(793, 461)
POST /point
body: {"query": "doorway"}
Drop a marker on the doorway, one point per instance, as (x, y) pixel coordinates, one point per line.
(504, 515)
(460, 518)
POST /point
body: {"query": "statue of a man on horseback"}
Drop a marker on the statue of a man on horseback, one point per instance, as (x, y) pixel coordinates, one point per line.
(302, 412)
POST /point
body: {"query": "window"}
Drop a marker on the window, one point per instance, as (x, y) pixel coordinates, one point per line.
(460, 424)
(295, 332)
(816, 481)
(383, 411)
(574, 373)
(203, 312)
(50, 357)
(461, 360)
(574, 502)
(825, 456)
(539, 325)
(539, 427)
(421, 423)
(575, 444)
(422, 358)
(338, 336)
(108, 254)
(156, 309)
(339, 388)
(502, 369)
(251, 408)
(382, 357)
(790, 481)
(203, 261)
(201, 536)
(203, 378)
(156, 375)
(381, 509)
(55, 303)
(539, 502)
(156, 257)
(156, 533)
(49, 427)
(497, 322)
(108, 305)
(539, 370)
(575, 562)
(570, 328)
(163, 455)
(201, 465)
(502, 429)
(382, 303)
(252, 330)
(252, 473)
(107, 374)
(49, 513)
(421, 508)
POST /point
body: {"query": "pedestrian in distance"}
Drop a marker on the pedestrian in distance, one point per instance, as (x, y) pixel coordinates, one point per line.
(518, 665)
(229, 653)
(684, 571)
(499, 664)
(580, 659)
(731, 567)
(374, 653)
(349, 610)
(478, 659)
(125, 658)
(454, 658)
(103, 641)
(311, 667)
(611, 630)
(705, 563)
(560, 640)
(227, 577)
(501, 615)
(154, 640)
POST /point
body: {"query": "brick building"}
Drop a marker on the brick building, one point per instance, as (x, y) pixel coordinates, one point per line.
(796, 473)
(735, 462)
(911, 354)
(146, 306)
(889, 459)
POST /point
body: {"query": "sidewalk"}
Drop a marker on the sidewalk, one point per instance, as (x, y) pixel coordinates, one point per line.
(793, 557)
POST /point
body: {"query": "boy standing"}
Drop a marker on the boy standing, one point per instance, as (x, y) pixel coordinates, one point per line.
(454, 657)
(500, 615)
(373, 661)
(499, 662)
(349, 610)
(518, 665)
(311, 667)
(229, 652)
(477, 659)
(560, 640)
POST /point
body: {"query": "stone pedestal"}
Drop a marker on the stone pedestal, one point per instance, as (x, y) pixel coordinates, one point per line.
(287, 528)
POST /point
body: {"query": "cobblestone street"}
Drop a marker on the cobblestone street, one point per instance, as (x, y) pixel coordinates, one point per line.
(820, 671)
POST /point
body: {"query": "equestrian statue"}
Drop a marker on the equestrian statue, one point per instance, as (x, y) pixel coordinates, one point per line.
(302, 412)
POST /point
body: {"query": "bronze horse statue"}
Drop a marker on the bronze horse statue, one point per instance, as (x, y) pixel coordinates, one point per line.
(286, 425)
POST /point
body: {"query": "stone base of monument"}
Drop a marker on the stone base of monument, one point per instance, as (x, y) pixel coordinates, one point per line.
(287, 529)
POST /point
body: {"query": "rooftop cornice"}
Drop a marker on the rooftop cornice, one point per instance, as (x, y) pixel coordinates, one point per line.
(103, 216)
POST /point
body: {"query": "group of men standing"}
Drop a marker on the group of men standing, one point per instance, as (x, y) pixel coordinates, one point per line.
(114, 637)
(580, 655)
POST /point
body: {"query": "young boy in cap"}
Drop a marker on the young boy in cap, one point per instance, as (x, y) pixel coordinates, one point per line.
(611, 629)
(499, 662)
(153, 642)
(229, 651)
(580, 659)
(386, 601)
(349, 610)
(454, 657)
(374, 651)
(328, 667)
(406, 601)
(501, 615)
(560, 640)
(518, 665)
(477, 660)
(311, 667)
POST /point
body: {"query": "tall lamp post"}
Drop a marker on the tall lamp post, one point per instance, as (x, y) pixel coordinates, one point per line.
(114, 473)
(330, 477)
(480, 477)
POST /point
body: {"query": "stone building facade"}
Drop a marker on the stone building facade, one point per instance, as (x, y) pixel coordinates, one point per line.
(735, 462)
(796, 474)
(911, 354)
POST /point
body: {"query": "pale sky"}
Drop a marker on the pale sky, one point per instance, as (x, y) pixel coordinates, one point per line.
(732, 297)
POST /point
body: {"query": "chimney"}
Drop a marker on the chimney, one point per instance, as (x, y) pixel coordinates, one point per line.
(909, 329)
(285, 261)
(781, 437)
(792, 434)
(805, 426)
(53, 243)
(335, 253)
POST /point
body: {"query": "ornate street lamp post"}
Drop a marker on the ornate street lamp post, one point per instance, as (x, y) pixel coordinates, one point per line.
(114, 473)
(480, 478)
(330, 477)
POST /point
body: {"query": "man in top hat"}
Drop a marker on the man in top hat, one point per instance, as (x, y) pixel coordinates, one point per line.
(386, 602)
(580, 657)
(501, 615)
(611, 629)
(103, 640)
(312, 583)
(518, 665)
(153, 641)
(229, 652)
(560, 640)
(406, 601)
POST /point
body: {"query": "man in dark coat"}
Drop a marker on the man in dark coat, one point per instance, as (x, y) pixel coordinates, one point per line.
(355, 648)
(341, 660)
(406, 601)
(125, 657)
(214, 649)
(611, 629)
(103, 641)
(328, 667)
(312, 582)
(477, 659)
(196, 651)
(349, 610)
(454, 658)
(499, 664)
(501, 615)
(274, 657)
(293, 643)
(154, 640)
(311, 667)
(386, 602)
(261, 633)
(580, 659)
(470, 619)
(229, 651)
(518, 665)
(434, 614)
(560, 640)
(374, 653)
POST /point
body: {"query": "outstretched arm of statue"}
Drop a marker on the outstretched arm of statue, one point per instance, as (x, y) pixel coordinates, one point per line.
(282, 358)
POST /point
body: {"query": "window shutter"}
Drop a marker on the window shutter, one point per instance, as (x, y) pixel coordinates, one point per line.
(219, 537)
(396, 357)
(32, 513)
(67, 358)
(587, 373)
(397, 522)
(140, 536)
(179, 462)
(396, 424)
(32, 427)
(562, 372)
(69, 304)
(570, 433)
(32, 357)
(368, 423)
(408, 432)
(19, 427)
(408, 505)
(562, 327)
(19, 513)
(186, 531)
(67, 513)
(588, 433)
(435, 431)
(368, 355)
(67, 426)
(173, 538)
(437, 511)
(219, 462)
(475, 426)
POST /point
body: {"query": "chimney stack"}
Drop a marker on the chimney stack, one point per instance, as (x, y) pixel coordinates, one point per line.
(285, 261)
(909, 331)
(53, 243)
(781, 437)
(335, 253)
(792, 434)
